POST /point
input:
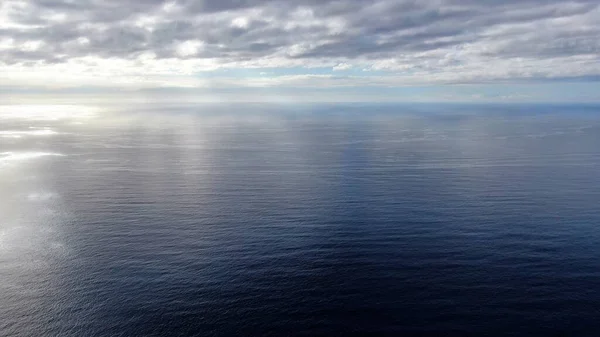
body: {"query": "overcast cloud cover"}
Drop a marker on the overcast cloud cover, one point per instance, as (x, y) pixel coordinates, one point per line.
(303, 43)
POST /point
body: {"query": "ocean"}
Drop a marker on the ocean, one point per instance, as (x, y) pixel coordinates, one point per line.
(300, 220)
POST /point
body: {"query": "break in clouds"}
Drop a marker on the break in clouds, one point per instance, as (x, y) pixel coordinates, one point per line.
(381, 42)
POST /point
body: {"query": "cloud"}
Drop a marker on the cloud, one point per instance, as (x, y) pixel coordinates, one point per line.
(342, 66)
(428, 41)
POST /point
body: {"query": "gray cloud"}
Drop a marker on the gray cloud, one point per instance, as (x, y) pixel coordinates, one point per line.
(428, 36)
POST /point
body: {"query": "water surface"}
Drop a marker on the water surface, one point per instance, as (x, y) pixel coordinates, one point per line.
(331, 220)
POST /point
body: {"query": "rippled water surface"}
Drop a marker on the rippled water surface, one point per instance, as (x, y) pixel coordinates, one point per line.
(331, 220)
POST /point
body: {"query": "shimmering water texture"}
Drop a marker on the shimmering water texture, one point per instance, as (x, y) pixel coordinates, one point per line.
(331, 220)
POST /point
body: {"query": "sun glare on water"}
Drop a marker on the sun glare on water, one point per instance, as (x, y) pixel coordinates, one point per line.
(47, 112)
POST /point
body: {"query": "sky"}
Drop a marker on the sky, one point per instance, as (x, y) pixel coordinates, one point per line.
(302, 50)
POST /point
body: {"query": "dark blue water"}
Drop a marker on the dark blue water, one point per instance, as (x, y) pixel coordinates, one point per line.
(249, 220)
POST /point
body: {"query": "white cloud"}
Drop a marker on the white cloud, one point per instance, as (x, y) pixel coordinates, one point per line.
(342, 66)
(31, 45)
(156, 43)
(189, 48)
(240, 22)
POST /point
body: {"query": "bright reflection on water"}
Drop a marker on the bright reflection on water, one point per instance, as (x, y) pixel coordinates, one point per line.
(47, 112)
(306, 220)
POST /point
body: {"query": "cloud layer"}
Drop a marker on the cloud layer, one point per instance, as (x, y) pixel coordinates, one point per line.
(150, 43)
